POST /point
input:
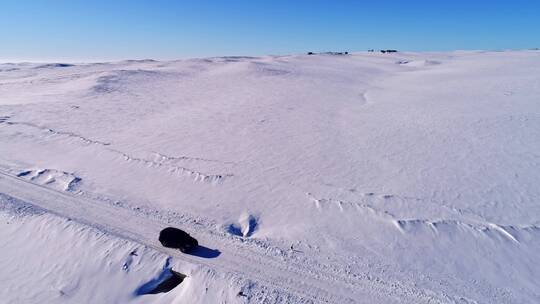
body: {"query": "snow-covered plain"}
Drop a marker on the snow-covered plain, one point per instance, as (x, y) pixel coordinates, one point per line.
(365, 178)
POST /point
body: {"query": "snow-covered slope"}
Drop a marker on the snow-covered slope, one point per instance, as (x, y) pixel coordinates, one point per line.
(55, 260)
(407, 177)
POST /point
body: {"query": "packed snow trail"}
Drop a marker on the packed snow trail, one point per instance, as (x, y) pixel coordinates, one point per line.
(305, 281)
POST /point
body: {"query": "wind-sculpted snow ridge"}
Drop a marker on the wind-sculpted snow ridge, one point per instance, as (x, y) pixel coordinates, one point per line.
(52, 178)
(58, 132)
(346, 206)
(162, 161)
(233, 58)
(418, 63)
(266, 69)
(163, 157)
(244, 227)
(54, 65)
(117, 80)
(174, 169)
(413, 226)
(450, 226)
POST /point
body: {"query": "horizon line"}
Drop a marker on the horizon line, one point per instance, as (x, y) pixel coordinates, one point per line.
(114, 60)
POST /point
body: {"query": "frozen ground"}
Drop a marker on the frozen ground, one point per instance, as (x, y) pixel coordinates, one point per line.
(367, 178)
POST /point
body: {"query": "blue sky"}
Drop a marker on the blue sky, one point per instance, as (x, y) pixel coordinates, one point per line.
(89, 30)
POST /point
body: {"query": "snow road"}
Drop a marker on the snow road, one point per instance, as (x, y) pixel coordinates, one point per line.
(307, 282)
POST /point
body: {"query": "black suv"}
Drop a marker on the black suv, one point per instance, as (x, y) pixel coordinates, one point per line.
(175, 238)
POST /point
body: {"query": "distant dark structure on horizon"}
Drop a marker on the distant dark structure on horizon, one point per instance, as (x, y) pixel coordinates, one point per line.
(388, 51)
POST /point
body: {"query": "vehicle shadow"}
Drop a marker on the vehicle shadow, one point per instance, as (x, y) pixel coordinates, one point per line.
(205, 252)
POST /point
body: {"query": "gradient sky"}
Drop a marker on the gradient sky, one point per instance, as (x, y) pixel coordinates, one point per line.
(89, 30)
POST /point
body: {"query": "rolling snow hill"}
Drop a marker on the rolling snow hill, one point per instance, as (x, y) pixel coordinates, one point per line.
(362, 178)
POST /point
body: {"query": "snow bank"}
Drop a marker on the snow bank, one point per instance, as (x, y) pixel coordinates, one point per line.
(52, 259)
